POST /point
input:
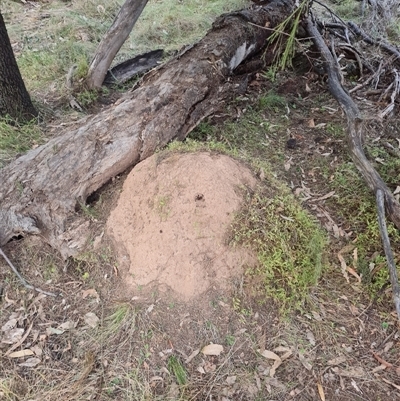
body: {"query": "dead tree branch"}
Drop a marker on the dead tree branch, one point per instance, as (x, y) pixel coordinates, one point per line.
(355, 134)
(388, 251)
(113, 40)
(369, 40)
(354, 126)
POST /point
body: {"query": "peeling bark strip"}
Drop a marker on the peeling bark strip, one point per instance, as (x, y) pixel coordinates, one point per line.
(40, 190)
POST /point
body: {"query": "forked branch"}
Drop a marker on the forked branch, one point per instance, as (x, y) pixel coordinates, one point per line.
(354, 138)
(394, 280)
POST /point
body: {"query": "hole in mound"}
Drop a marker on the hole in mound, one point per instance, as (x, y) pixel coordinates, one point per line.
(93, 198)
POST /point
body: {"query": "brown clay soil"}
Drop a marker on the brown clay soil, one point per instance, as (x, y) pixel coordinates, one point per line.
(173, 286)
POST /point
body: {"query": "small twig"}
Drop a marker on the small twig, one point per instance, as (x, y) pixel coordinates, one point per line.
(21, 279)
(21, 341)
(273, 30)
(375, 76)
(385, 92)
(396, 90)
(351, 49)
(371, 41)
(333, 50)
(388, 250)
(391, 149)
(332, 28)
(69, 80)
(337, 34)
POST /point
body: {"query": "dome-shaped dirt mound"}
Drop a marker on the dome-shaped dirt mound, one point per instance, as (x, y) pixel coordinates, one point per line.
(171, 222)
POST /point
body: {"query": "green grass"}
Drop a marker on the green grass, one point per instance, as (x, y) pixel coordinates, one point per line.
(355, 204)
(51, 45)
(177, 370)
(17, 139)
(87, 97)
(173, 24)
(122, 318)
(272, 101)
(251, 135)
(289, 245)
(70, 33)
(348, 9)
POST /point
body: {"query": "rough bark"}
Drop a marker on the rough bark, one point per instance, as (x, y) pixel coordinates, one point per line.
(40, 190)
(113, 40)
(14, 98)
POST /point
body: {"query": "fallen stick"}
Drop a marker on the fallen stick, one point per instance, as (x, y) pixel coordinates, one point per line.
(21, 279)
(394, 280)
(371, 41)
(354, 127)
(354, 137)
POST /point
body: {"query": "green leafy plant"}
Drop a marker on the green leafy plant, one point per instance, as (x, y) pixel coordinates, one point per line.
(88, 211)
(230, 340)
(17, 138)
(86, 97)
(271, 101)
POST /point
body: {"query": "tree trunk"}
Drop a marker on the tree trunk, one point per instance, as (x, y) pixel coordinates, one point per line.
(41, 190)
(14, 98)
(113, 40)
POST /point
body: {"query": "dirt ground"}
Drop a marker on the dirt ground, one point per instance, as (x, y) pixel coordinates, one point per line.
(100, 341)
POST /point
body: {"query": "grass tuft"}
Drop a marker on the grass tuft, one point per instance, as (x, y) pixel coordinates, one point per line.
(272, 101)
(122, 319)
(289, 245)
(173, 24)
(177, 369)
(16, 138)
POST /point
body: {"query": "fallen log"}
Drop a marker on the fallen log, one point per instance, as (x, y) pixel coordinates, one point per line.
(41, 190)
